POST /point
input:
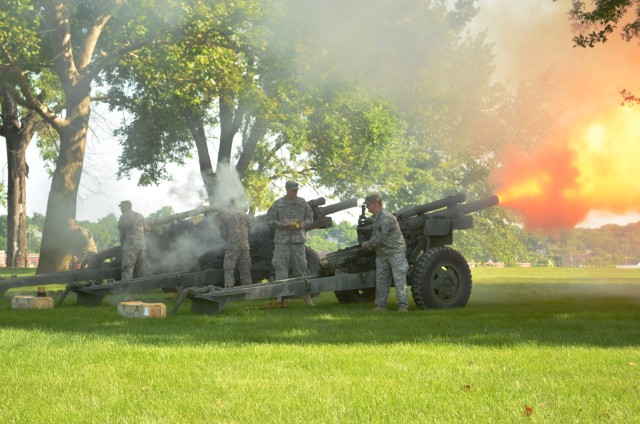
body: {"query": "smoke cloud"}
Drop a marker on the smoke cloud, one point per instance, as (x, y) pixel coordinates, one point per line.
(228, 187)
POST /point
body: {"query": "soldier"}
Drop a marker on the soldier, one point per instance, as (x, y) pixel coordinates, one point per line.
(235, 227)
(131, 226)
(83, 247)
(289, 216)
(391, 260)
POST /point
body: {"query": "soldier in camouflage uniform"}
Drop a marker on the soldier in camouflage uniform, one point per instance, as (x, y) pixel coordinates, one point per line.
(83, 247)
(391, 260)
(132, 226)
(235, 227)
(289, 216)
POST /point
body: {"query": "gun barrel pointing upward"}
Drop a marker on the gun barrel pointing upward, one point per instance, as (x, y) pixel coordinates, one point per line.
(431, 206)
(337, 207)
(480, 204)
(182, 215)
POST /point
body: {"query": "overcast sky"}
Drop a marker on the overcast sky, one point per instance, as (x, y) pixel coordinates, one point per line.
(530, 37)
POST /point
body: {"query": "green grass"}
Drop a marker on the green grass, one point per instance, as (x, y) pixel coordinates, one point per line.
(563, 341)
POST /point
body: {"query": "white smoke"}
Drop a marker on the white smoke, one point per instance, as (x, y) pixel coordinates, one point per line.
(228, 187)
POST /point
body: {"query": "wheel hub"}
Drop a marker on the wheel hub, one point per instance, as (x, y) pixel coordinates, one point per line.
(445, 282)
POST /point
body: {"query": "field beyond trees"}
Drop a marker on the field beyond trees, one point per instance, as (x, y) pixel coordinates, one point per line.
(545, 345)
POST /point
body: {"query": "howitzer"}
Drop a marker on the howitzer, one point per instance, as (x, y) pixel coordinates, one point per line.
(439, 276)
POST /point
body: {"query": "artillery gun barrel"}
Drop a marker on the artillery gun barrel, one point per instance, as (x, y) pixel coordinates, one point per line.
(465, 209)
(431, 206)
(317, 202)
(477, 205)
(337, 207)
(156, 222)
(320, 218)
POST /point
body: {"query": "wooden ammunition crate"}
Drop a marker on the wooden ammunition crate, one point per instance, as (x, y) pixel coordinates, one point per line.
(136, 309)
(31, 302)
(156, 310)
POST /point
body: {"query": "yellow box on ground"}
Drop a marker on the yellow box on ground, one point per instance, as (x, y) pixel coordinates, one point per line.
(31, 302)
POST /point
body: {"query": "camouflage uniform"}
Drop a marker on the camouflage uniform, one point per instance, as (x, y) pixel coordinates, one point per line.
(131, 226)
(391, 261)
(288, 252)
(84, 248)
(235, 227)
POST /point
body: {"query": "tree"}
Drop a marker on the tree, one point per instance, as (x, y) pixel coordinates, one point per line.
(175, 92)
(70, 43)
(18, 132)
(240, 76)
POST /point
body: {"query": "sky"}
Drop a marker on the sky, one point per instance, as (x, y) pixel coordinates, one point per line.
(530, 37)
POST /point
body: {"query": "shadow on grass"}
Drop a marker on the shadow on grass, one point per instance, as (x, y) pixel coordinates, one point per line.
(605, 315)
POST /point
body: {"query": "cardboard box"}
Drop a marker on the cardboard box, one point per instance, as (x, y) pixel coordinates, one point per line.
(136, 309)
(31, 302)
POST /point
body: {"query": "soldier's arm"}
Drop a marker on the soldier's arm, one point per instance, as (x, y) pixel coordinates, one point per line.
(308, 216)
(121, 230)
(378, 236)
(272, 216)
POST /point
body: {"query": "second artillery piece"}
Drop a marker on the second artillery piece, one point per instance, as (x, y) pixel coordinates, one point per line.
(186, 252)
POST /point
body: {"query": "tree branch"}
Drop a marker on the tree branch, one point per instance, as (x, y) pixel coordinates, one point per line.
(94, 32)
(110, 58)
(258, 131)
(25, 97)
(61, 42)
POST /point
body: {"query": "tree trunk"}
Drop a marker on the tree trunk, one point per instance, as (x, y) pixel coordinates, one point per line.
(196, 127)
(18, 136)
(55, 253)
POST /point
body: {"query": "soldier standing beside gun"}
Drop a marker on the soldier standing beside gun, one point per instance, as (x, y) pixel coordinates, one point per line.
(235, 227)
(391, 260)
(289, 216)
(131, 226)
(83, 247)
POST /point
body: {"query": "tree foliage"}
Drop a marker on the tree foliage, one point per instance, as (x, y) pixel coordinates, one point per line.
(597, 24)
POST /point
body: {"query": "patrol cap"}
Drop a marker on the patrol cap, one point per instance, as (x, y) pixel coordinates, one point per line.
(372, 198)
(291, 185)
(125, 203)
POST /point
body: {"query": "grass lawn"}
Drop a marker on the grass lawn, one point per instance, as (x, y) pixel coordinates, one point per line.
(533, 345)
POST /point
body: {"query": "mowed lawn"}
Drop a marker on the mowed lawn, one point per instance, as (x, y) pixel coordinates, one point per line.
(533, 345)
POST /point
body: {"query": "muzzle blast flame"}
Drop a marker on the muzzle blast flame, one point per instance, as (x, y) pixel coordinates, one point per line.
(593, 166)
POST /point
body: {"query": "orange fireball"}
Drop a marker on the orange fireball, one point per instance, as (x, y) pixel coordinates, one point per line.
(593, 166)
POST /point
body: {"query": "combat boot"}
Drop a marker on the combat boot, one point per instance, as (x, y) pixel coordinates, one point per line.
(379, 309)
(307, 300)
(403, 309)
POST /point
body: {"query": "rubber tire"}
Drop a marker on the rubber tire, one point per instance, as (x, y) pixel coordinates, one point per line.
(441, 279)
